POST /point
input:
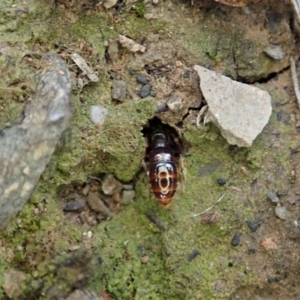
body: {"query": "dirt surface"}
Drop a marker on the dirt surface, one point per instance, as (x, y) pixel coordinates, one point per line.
(71, 236)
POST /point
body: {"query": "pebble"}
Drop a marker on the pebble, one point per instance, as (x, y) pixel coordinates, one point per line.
(142, 79)
(268, 244)
(145, 259)
(275, 51)
(128, 186)
(98, 114)
(155, 2)
(113, 50)
(273, 197)
(221, 181)
(145, 90)
(175, 103)
(152, 37)
(110, 185)
(76, 205)
(118, 91)
(127, 197)
(281, 212)
(109, 3)
(253, 225)
(148, 16)
(193, 255)
(12, 282)
(98, 205)
(236, 239)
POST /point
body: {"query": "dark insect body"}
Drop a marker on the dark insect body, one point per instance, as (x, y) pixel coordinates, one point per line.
(162, 160)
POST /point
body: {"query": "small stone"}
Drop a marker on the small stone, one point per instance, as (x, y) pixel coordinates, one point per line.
(281, 212)
(109, 3)
(73, 247)
(12, 283)
(118, 91)
(98, 114)
(98, 205)
(253, 225)
(152, 37)
(145, 259)
(193, 255)
(272, 196)
(127, 197)
(148, 16)
(142, 79)
(155, 2)
(268, 244)
(83, 295)
(128, 186)
(110, 185)
(275, 51)
(236, 239)
(221, 181)
(175, 103)
(178, 63)
(113, 50)
(145, 90)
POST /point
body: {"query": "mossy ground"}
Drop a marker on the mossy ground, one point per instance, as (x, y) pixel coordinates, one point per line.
(38, 239)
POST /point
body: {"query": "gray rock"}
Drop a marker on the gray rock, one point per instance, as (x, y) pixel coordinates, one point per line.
(275, 52)
(281, 212)
(118, 91)
(98, 114)
(239, 110)
(27, 147)
(145, 90)
(273, 197)
(142, 79)
(127, 196)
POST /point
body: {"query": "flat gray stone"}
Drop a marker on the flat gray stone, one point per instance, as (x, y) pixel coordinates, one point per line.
(240, 111)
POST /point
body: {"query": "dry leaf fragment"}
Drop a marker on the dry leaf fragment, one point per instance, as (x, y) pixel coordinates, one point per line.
(83, 66)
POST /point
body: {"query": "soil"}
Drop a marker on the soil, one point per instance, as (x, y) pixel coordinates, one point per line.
(199, 247)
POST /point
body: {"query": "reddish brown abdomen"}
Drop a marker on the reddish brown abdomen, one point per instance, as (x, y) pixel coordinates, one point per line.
(163, 178)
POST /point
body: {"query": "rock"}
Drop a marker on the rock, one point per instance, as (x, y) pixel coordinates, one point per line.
(221, 181)
(148, 16)
(236, 239)
(130, 44)
(175, 103)
(12, 283)
(142, 79)
(273, 197)
(155, 2)
(145, 90)
(127, 197)
(83, 295)
(98, 205)
(253, 226)
(275, 52)
(109, 3)
(110, 185)
(118, 91)
(239, 110)
(268, 244)
(113, 50)
(26, 147)
(98, 114)
(281, 212)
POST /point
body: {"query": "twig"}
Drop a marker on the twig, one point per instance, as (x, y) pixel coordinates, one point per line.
(295, 80)
(203, 212)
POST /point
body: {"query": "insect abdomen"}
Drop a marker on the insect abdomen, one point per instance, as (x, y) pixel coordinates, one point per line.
(163, 179)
